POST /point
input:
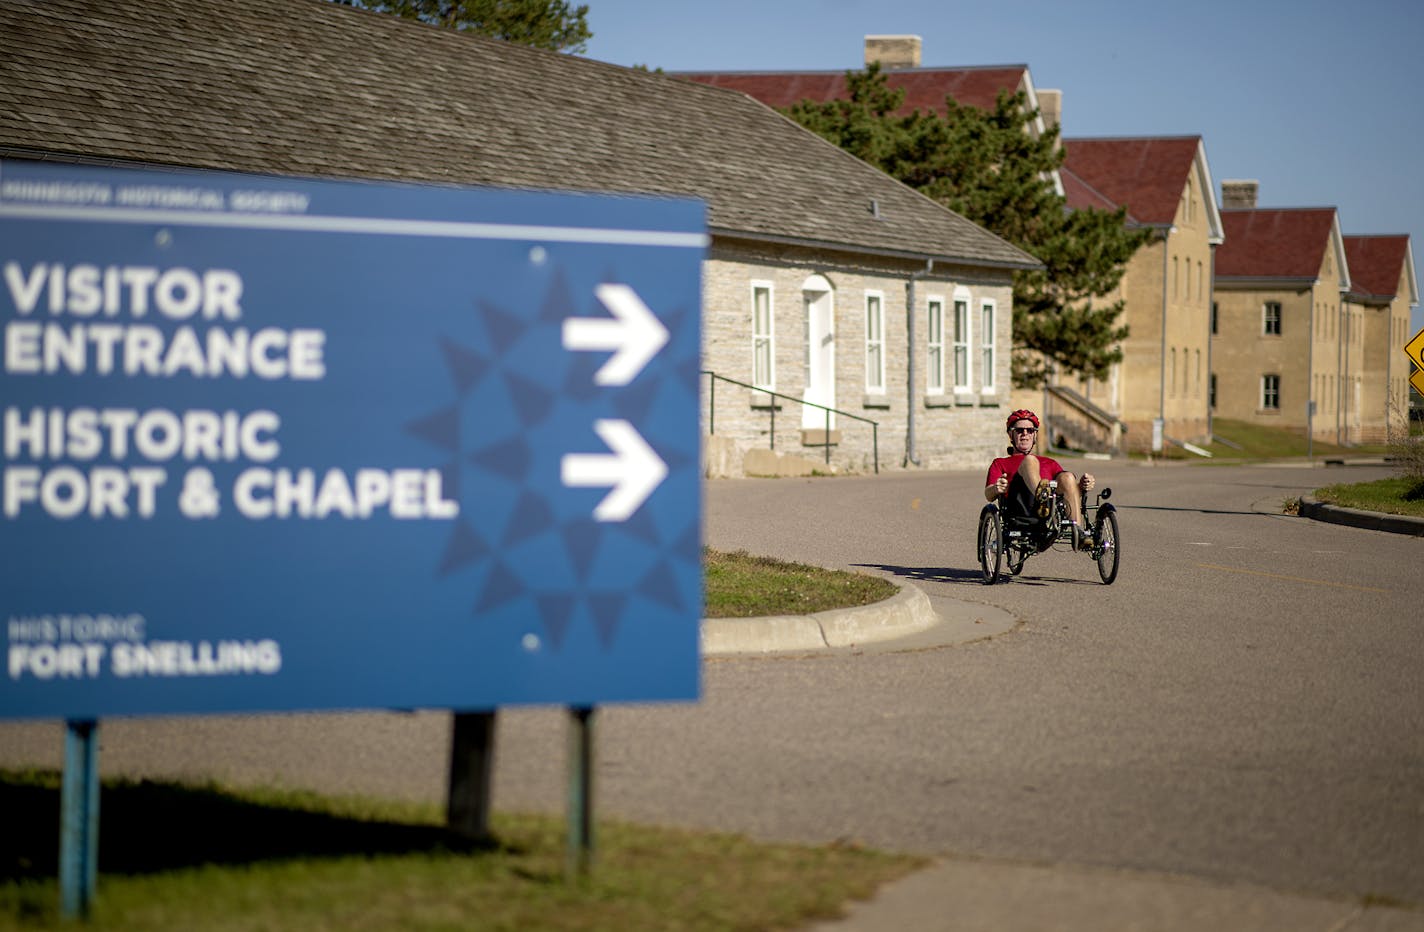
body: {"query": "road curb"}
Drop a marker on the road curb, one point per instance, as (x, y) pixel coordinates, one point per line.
(1370, 520)
(905, 613)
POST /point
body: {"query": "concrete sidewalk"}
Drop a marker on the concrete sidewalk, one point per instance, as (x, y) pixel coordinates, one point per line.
(986, 896)
(909, 620)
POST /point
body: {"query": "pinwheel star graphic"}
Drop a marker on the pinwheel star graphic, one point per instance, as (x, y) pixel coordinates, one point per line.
(497, 468)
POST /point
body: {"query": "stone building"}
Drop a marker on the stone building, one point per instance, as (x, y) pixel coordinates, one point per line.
(825, 282)
(1286, 345)
(1165, 185)
(1382, 290)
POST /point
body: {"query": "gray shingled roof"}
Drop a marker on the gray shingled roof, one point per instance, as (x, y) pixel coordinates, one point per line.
(307, 87)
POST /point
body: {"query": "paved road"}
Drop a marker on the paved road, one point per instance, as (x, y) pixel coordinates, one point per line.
(1243, 706)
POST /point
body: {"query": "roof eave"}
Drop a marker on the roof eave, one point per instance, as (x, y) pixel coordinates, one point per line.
(1258, 282)
(806, 243)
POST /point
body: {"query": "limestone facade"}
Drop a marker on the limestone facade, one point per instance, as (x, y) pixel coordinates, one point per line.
(867, 300)
(1384, 368)
(1166, 292)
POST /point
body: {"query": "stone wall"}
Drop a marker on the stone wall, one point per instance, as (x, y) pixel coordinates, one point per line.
(949, 430)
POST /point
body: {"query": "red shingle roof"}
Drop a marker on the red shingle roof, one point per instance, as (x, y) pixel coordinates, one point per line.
(1376, 263)
(925, 88)
(1145, 175)
(1274, 243)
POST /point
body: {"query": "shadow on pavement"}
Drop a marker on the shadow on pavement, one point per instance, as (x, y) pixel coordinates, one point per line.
(967, 577)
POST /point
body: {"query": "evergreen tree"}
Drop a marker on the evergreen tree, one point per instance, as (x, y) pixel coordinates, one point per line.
(545, 24)
(988, 167)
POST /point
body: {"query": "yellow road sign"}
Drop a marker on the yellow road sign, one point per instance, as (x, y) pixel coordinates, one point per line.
(1415, 349)
(1417, 380)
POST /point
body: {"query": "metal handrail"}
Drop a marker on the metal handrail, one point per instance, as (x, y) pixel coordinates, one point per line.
(712, 415)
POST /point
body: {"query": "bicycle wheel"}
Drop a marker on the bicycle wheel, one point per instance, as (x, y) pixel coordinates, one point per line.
(991, 544)
(1105, 545)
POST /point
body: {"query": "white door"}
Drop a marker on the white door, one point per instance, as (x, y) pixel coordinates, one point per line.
(819, 301)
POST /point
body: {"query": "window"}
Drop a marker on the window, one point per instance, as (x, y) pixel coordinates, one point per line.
(874, 342)
(986, 345)
(763, 340)
(1272, 318)
(935, 337)
(1213, 317)
(961, 343)
(1211, 391)
(1271, 392)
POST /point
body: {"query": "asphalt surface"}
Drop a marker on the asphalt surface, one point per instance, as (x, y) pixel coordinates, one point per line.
(1230, 737)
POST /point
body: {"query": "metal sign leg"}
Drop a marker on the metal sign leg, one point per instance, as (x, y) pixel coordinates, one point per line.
(467, 807)
(79, 819)
(580, 843)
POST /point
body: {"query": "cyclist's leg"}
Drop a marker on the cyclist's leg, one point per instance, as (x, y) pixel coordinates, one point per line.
(1072, 497)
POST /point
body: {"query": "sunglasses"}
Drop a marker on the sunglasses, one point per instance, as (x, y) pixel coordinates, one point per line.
(1023, 430)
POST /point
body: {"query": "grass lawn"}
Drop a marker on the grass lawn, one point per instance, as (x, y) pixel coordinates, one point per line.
(186, 857)
(1393, 496)
(739, 585)
(1238, 440)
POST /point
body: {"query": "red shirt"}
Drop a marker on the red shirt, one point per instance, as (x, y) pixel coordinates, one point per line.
(1008, 466)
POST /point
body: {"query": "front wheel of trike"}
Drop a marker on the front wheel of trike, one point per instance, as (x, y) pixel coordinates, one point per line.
(1106, 544)
(991, 544)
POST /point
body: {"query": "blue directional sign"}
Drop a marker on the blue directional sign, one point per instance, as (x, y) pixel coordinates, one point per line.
(286, 444)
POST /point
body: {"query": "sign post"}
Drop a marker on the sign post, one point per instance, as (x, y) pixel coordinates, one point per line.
(276, 444)
(79, 819)
(1414, 349)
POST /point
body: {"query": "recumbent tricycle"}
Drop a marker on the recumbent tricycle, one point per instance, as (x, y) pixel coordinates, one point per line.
(1009, 538)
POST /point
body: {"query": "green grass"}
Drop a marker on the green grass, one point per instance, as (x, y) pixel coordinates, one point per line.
(1394, 496)
(185, 857)
(1245, 441)
(739, 585)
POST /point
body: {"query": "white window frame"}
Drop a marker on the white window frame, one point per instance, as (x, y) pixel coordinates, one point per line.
(988, 344)
(764, 343)
(874, 343)
(934, 341)
(963, 343)
(1270, 392)
(1266, 318)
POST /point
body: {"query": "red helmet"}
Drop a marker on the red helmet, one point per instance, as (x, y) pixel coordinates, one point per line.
(1022, 414)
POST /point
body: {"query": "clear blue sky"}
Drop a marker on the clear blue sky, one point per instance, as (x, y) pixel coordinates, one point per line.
(1320, 102)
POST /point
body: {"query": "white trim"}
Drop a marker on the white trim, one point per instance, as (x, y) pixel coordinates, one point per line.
(1277, 405)
(934, 382)
(1280, 313)
(769, 337)
(962, 299)
(988, 347)
(878, 342)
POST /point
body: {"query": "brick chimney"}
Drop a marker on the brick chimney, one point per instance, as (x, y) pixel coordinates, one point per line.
(1050, 105)
(1238, 194)
(893, 51)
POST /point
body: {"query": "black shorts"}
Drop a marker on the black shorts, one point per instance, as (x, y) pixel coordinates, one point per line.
(1019, 500)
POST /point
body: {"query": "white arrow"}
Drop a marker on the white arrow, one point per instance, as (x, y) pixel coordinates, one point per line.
(635, 334)
(633, 470)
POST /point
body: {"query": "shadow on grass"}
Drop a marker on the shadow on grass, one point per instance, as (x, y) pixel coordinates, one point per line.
(149, 827)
